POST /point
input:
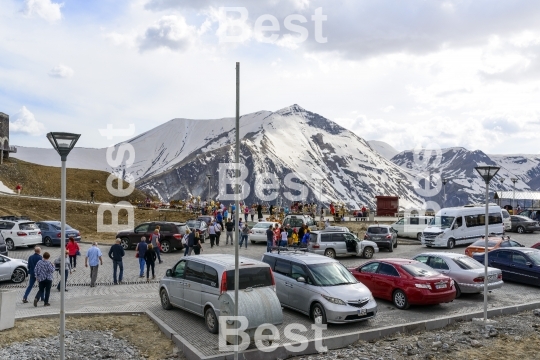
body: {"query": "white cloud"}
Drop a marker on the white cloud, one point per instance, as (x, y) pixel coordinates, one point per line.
(61, 72)
(387, 109)
(26, 123)
(45, 9)
(171, 32)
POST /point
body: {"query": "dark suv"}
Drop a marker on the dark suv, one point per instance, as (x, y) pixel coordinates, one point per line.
(171, 235)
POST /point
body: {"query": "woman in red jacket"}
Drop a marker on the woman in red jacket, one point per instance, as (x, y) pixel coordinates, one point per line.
(73, 248)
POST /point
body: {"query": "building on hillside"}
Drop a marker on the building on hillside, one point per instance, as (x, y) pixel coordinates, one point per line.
(5, 149)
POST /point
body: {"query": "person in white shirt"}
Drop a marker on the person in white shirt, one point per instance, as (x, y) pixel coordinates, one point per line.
(212, 233)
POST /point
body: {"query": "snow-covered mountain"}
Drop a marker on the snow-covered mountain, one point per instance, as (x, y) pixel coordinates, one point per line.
(386, 150)
(464, 184)
(173, 159)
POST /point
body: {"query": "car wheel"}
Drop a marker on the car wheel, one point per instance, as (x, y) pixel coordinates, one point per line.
(211, 321)
(165, 303)
(317, 310)
(253, 241)
(451, 244)
(458, 290)
(395, 245)
(520, 229)
(419, 236)
(10, 244)
(125, 243)
(47, 241)
(391, 248)
(400, 300)
(165, 247)
(330, 253)
(18, 276)
(368, 252)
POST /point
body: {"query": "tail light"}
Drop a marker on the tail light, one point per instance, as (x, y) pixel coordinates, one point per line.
(250, 231)
(499, 276)
(223, 288)
(478, 279)
(20, 233)
(78, 234)
(39, 233)
(273, 280)
(389, 236)
(59, 235)
(366, 237)
(315, 246)
(177, 236)
(423, 286)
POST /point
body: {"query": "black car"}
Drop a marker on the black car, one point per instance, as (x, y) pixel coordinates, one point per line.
(171, 235)
(200, 226)
(522, 224)
(517, 264)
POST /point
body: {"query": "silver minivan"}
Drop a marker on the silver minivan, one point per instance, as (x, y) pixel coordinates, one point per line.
(195, 283)
(338, 243)
(320, 287)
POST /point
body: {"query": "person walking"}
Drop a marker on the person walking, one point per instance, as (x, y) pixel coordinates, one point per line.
(244, 233)
(18, 188)
(150, 259)
(67, 270)
(116, 253)
(212, 234)
(229, 226)
(94, 258)
(252, 213)
(305, 238)
(246, 213)
(218, 228)
(73, 250)
(92, 197)
(44, 271)
(259, 212)
(269, 238)
(197, 246)
(140, 251)
(283, 242)
(32, 261)
(186, 245)
(156, 244)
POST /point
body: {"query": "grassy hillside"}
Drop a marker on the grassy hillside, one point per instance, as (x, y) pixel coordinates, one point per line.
(38, 180)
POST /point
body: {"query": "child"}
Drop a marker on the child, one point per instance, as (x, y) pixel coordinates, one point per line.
(294, 237)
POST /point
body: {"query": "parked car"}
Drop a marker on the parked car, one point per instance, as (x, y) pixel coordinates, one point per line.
(296, 221)
(336, 229)
(199, 226)
(195, 284)
(338, 243)
(467, 273)
(320, 287)
(15, 270)
(383, 235)
(51, 232)
(530, 213)
(3, 246)
(522, 224)
(206, 218)
(171, 235)
(258, 231)
(517, 264)
(494, 242)
(405, 282)
(20, 233)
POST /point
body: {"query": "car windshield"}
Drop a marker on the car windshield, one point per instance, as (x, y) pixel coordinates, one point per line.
(377, 230)
(194, 224)
(482, 243)
(442, 221)
(466, 263)
(419, 270)
(535, 256)
(262, 225)
(28, 226)
(331, 274)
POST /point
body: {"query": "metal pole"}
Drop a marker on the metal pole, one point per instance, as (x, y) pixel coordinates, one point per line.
(237, 210)
(514, 180)
(63, 261)
(486, 221)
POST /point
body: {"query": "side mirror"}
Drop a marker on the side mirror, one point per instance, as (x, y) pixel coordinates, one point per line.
(168, 273)
(529, 264)
(301, 279)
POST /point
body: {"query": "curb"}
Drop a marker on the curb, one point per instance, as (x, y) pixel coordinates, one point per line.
(340, 341)
(75, 313)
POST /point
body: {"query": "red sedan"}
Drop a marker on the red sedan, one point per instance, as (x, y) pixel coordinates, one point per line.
(405, 282)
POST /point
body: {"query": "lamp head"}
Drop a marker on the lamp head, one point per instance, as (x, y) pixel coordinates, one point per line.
(487, 172)
(63, 143)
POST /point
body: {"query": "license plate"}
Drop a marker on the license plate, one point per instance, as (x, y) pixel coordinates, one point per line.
(32, 233)
(70, 235)
(492, 277)
(440, 286)
(362, 312)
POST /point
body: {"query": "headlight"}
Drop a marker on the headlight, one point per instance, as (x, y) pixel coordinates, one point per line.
(25, 262)
(334, 300)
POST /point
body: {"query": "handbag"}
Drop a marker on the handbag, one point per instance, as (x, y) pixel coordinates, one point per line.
(137, 255)
(78, 253)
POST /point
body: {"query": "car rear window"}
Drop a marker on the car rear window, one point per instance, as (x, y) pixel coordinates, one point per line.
(181, 229)
(262, 225)
(312, 237)
(252, 277)
(378, 230)
(466, 263)
(58, 226)
(491, 243)
(419, 270)
(28, 226)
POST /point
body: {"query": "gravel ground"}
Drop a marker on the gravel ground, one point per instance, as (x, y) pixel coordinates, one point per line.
(516, 336)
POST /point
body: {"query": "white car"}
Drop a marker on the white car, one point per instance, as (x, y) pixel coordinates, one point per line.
(20, 233)
(258, 231)
(15, 270)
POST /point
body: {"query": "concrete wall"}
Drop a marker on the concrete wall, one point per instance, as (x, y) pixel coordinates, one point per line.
(4, 134)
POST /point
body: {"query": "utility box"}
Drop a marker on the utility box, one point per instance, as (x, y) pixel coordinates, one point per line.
(387, 205)
(8, 298)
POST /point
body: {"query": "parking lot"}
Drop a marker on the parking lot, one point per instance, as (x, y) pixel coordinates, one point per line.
(137, 295)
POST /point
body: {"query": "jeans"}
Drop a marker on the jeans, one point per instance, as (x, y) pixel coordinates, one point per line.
(244, 237)
(212, 240)
(73, 261)
(44, 290)
(118, 264)
(31, 282)
(229, 234)
(186, 251)
(152, 266)
(252, 216)
(245, 217)
(66, 272)
(93, 275)
(269, 245)
(156, 249)
(141, 266)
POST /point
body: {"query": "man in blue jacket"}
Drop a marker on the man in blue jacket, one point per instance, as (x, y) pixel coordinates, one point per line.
(32, 261)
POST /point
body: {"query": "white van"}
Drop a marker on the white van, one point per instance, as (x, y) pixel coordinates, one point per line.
(461, 226)
(412, 226)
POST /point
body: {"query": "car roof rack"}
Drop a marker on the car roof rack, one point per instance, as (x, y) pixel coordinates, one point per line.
(288, 249)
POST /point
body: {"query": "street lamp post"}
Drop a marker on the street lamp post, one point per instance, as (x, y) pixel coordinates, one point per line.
(63, 143)
(514, 180)
(502, 189)
(208, 176)
(487, 173)
(444, 181)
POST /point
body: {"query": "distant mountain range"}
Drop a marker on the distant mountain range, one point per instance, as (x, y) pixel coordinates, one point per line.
(173, 160)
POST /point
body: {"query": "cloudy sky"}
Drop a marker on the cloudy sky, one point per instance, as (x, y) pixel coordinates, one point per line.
(451, 73)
